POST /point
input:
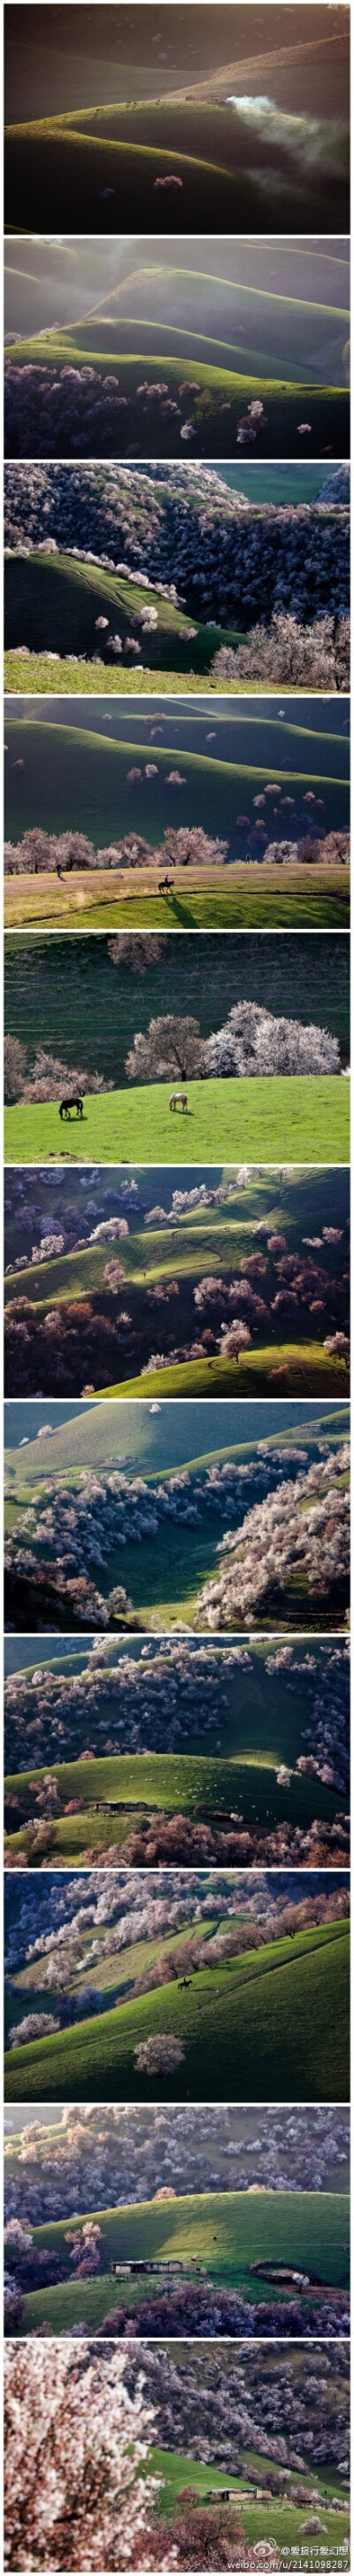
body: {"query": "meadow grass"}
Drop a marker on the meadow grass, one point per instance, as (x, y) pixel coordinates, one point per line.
(89, 1439)
(83, 774)
(53, 600)
(215, 376)
(298, 1119)
(225, 2231)
(258, 1729)
(273, 2025)
(276, 2521)
(237, 898)
(71, 157)
(168, 1784)
(302, 1365)
(81, 678)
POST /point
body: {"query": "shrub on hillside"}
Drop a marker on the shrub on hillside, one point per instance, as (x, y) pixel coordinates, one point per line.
(313, 657)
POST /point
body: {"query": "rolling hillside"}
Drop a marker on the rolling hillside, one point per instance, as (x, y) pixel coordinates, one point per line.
(298, 1364)
(276, 2022)
(66, 777)
(170, 1253)
(257, 1719)
(243, 340)
(167, 1785)
(164, 1580)
(87, 1435)
(102, 159)
(265, 2521)
(226, 2233)
(216, 312)
(53, 602)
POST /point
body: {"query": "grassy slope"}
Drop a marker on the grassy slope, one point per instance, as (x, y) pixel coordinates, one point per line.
(274, 2021)
(225, 2231)
(79, 778)
(172, 1783)
(298, 1117)
(256, 1725)
(72, 157)
(153, 1256)
(301, 898)
(214, 379)
(52, 601)
(86, 1440)
(116, 1971)
(91, 679)
(95, 344)
(276, 2521)
(220, 1234)
(304, 1365)
(156, 1253)
(73, 777)
(202, 309)
(258, 1731)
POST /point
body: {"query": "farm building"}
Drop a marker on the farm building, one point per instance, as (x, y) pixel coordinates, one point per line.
(163, 2263)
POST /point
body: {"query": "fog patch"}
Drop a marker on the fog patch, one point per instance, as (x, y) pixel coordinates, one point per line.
(310, 142)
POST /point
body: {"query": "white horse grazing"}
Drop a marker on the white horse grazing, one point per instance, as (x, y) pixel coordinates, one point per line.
(179, 1100)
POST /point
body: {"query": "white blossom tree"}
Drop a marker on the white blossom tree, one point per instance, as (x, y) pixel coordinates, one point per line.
(75, 2443)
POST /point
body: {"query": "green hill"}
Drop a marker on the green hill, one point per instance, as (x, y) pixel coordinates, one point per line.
(68, 777)
(167, 1254)
(163, 1581)
(276, 1116)
(219, 390)
(53, 603)
(226, 2232)
(277, 2521)
(74, 779)
(219, 1235)
(302, 1363)
(74, 157)
(222, 317)
(274, 2023)
(89, 1437)
(170, 1784)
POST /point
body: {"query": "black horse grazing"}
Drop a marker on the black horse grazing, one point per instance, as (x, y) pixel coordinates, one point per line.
(72, 1100)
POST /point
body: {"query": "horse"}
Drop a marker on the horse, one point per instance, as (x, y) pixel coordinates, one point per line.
(72, 1100)
(165, 885)
(179, 1100)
